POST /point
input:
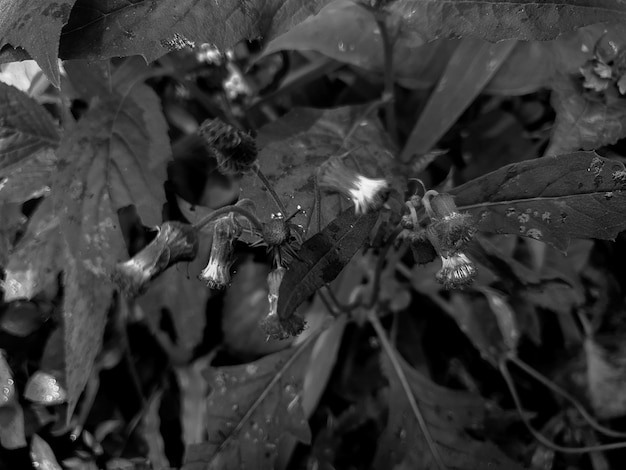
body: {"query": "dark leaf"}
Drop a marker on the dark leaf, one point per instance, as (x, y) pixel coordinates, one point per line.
(250, 408)
(151, 29)
(553, 199)
(107, 163)
(322, 257)
(36, 27)
(294, 147)
(471, 66)
(25, 128)
(448, 414)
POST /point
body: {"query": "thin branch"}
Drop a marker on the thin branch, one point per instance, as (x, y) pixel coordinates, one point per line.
(382, 336)
(227, 210)
(537, 434)
(563, 393)
(270, 189)
(380, 264)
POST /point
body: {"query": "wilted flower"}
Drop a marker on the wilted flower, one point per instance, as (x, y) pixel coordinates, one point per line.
(283, 239)
(457, 271)
(366, 193)
(234, 149)
(217, 272)
(449, 230)
(174, 242)
(274, 326)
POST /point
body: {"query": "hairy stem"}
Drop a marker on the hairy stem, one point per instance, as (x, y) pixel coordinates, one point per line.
(270, 189)
(227, 210)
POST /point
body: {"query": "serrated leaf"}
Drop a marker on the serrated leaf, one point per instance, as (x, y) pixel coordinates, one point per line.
(19, 22)
(552, 199)
(25, 128)
(106, 165)
(151, 29)
(250, 408)
(322, 257)
(293, 148)
(448, 413)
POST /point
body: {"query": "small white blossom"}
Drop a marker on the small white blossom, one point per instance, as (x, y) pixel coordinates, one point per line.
(456, 271)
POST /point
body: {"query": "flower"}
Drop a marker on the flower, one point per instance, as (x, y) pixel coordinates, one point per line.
(449, 230)
(283, 240)
(366, 193)
(457, 271)
(234, 150)
(275, 327)
(174, 242)
(217, 272)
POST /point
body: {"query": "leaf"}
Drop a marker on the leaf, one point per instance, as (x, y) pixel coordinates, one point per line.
(42, 455)
(20, 21)
(322, 257)
(293, 148)
(606, 374)
(495, 20)
(12, 433)
(7, 384)
(448, 413)
(471, 66)
(43, 389)
(25, 128)
(250, 408)
(13, 221)
(29, 179)
(553, 199)
(151, 29)
(105, 165)
(37, 259)
(584, 121)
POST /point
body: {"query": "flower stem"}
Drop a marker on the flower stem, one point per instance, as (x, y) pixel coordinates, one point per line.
(227, 210)
(270, 189)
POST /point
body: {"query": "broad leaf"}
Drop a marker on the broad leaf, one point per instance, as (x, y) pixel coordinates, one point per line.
(36, 26)
(606, 375)
(322, 257)
(25, 128)
(38, 257)
(106, 165)
(151, 29)
(250, 408)
(553, 199)
(294, 147)
(448, 414)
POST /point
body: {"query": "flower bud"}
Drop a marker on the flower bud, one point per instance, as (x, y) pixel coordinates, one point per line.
(217, 272)
(456, 271)
(449, 230)
(174, 242)
(274, 326)
(234, 150)
(366, 193)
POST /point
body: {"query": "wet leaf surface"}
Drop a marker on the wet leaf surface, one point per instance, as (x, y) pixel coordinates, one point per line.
(552, 199)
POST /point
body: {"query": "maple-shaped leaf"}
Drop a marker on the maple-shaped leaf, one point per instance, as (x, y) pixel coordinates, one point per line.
(552, 199)
(98, 30)
(106, 164)
(35, 26)
(250, 408)
(28, 136)
(448, 414)
(294, 147)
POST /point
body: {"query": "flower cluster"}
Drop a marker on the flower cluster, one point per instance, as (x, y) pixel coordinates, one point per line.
(174, 242)
(606, 71)
(234, 150)
(367, 194)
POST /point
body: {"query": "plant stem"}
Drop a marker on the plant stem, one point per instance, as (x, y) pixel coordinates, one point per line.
(270, 189)
(380, 264)
(391, 353)
(389, 90)
(227, 210)
(537, 434)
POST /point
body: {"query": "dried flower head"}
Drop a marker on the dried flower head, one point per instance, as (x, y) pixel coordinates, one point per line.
(282, 238)
(234, 150)
(456, 272)
(174, 242)
(366, 193)
(216, 274)
(274, 326)
(449, 230)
